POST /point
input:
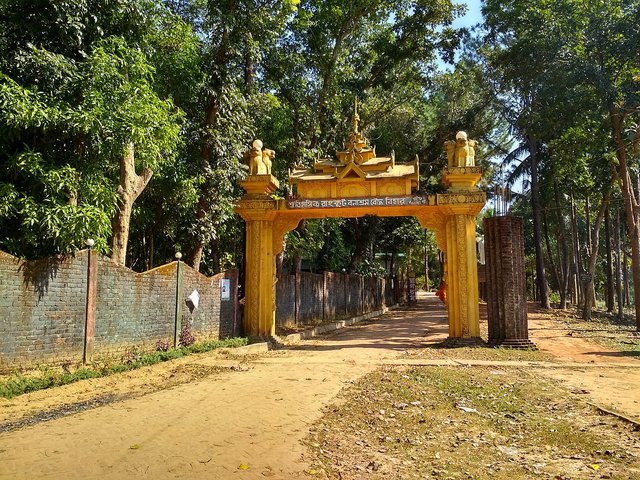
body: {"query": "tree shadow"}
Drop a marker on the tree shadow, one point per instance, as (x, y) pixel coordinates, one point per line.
(625, 353)
(37, 274)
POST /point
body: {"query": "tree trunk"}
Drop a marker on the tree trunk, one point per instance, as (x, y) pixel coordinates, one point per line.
(392, 264)
(352, 19)
(207, 189)
(537, 225)
(588, 220)
(249, 72)
(565, 262)
(589, 297)
(301, 229)
(194, 256)
(360, 246)
(216, 258)
(625, 279)
(129, 189)
(577, 261)
(552, 264)
(592, 295)
(618, 266)
(609, 295)
(630, 203)
(148, 250)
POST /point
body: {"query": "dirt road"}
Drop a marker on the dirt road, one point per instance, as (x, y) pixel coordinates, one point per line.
(246, 422)
(608, 378)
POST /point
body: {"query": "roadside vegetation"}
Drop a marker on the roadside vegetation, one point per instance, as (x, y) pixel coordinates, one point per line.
(45, 377)
(468, 423)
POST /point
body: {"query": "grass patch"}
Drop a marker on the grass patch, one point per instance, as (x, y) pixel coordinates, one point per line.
(46, 377)
(471, 423)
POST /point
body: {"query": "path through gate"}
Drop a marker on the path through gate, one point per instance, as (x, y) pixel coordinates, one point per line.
(359, 183)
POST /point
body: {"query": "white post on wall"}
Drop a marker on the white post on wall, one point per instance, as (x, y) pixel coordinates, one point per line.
(90, 306)
(178, 311)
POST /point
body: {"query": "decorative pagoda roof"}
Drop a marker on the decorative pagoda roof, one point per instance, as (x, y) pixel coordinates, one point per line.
(357, 161)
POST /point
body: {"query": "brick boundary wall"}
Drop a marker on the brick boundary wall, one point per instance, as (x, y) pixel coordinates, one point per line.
(43, 308)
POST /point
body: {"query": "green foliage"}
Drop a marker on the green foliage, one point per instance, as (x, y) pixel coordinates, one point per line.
(86, 78)
(335, 254)
(67, 111)
(307, 241)
(19, 384)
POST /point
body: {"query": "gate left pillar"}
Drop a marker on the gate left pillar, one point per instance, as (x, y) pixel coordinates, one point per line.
(258, 210)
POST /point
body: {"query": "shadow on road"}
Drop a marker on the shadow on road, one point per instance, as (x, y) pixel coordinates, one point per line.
(408, 327)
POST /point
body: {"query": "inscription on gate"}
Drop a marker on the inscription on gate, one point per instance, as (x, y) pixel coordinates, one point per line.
(361, 202)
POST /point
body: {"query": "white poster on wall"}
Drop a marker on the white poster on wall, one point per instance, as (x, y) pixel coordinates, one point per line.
(225, 289)
(194, 298)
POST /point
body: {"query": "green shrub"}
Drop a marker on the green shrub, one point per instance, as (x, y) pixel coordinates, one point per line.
(18, 383)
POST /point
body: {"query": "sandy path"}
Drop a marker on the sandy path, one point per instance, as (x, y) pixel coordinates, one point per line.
(606, 376)
(206, 429)
(255, 416)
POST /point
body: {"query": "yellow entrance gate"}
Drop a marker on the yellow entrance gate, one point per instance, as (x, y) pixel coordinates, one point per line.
(355, 184)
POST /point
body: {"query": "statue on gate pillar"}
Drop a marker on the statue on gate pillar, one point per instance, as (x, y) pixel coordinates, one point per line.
(259, 160)
(258, 209)
(260, 183)
(461, 152)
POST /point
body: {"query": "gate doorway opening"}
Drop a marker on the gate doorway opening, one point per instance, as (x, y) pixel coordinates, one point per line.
(354, 184)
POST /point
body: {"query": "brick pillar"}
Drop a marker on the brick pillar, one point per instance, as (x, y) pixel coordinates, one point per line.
(506, 282)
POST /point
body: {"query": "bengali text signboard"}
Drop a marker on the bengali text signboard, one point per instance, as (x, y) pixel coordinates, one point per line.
(358, 202)
(411, 290)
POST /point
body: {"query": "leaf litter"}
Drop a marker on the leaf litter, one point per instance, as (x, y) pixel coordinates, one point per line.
(454, 423)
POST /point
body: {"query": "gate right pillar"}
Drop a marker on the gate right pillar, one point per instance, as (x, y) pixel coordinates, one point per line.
(462, 281)
(506, 284)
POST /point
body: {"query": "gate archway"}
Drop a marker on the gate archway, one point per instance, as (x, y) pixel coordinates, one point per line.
(359, 183)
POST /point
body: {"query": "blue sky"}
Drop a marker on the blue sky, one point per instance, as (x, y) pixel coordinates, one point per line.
(473, 15)
(471, 18)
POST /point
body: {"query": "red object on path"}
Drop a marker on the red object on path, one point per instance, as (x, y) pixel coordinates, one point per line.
(441, 293)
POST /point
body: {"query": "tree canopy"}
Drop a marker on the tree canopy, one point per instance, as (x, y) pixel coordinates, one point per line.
(126, 122)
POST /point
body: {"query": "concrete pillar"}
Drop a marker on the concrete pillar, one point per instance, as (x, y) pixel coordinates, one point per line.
(259, 319)
(462, 280)
(257, 208)
(90, 306)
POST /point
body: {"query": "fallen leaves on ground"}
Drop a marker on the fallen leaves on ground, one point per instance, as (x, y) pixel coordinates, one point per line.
(452, 422)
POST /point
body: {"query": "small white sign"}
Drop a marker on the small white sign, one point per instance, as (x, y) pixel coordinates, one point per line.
(225, 289)
(194, 298)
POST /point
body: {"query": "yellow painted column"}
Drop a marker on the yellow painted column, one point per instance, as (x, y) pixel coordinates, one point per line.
(258, 210)
(462, 277)
(259, 313)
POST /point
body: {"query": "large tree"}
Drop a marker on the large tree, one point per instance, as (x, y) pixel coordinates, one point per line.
(234, 36)
(79, 115)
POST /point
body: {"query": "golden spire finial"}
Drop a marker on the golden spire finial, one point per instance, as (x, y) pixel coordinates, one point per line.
(355, 119)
